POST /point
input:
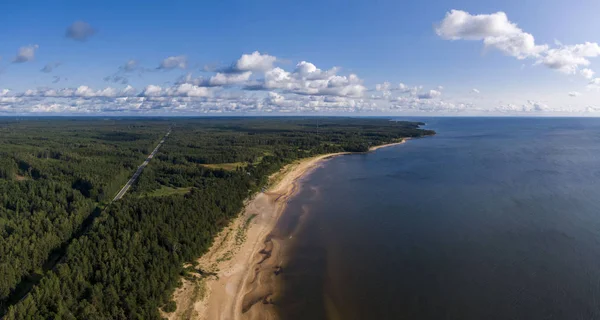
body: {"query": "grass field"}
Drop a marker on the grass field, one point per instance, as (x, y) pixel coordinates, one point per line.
(226, 166)
(165, 191)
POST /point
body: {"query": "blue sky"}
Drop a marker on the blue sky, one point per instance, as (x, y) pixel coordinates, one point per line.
(377, 41)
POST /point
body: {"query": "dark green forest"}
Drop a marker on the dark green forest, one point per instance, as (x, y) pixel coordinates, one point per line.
(55, 172)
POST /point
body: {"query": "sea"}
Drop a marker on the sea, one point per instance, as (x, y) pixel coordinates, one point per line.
(492, 218)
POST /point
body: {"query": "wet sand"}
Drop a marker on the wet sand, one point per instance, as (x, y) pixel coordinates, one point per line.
(246, 258)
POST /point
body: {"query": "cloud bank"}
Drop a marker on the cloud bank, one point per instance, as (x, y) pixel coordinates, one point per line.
(252, 83)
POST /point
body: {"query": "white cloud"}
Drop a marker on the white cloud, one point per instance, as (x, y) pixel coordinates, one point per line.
(529, 107)
(225, 79)
(85, 91)
(475, 90)
(429, 95)
(587, 73)
(255, 61)
(574, 94)
(174, 62)
(188, 90)
(309, 80)
(220, 79)
(309, 71)
(568, 59)
(152, 91)
(383, 86)
(494, 29)
(80, 31)
(79, 92)
(128, 91)
(415, 104)
(459, 24)
(26, 53)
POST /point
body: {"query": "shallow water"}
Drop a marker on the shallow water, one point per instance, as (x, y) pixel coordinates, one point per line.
(490, 219)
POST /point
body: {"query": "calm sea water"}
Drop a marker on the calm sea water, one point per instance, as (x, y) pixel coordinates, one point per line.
(490, 219)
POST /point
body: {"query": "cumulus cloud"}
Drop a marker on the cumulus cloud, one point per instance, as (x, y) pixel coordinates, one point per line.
(174, 62)
(528, 107)
(180, 90)
(383, 86)
(26, 53)
(50, 67)
(129, 66)
(574, 94)
(152, 91)
(80, 31)
(388, 90)
(224, 79)
(413, 103)
(306, 79)
(255, 61)
(309, 71)
(188, 90)
(495, 30)
(220, 79)
(429, 95)
(568, 59)
(79, 92)
(587, 73)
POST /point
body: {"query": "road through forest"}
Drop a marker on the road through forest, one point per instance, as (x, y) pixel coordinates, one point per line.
(58, 255)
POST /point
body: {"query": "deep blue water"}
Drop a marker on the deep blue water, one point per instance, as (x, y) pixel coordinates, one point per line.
(492, 218)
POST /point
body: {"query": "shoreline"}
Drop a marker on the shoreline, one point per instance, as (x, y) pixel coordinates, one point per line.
(388, 144)
(244, 260)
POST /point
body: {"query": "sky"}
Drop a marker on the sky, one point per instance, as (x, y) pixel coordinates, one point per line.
(300, 57)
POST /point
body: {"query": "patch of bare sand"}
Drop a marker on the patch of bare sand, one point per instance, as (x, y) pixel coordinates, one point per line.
(389, 144)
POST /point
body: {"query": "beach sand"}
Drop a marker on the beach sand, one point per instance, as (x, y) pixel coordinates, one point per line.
(244, 259)
(388, 145)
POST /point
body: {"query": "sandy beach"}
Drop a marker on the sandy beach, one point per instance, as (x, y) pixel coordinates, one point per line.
(244, 261)
(388, 145)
